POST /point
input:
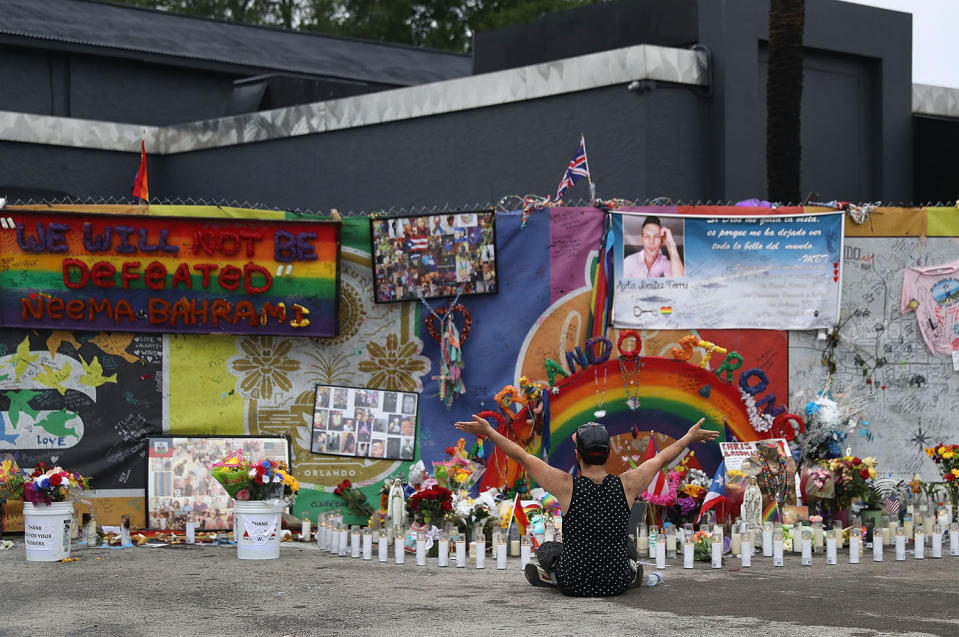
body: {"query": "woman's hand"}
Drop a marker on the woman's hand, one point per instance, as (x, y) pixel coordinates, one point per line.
(696, 433)
(477, 426)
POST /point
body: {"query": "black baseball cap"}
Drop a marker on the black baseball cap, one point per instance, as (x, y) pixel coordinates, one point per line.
(592, 442)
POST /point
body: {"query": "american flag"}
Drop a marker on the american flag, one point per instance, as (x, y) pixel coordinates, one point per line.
(577, 169)
(891, 506)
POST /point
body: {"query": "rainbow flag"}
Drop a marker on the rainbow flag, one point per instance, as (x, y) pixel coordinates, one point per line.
(771, 512)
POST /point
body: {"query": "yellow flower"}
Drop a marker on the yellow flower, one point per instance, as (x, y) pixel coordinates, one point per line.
(930, 451)
(6, 466)
(942, 451)
(869, 461)
(872, 473)
(955, 472)
(948, 455)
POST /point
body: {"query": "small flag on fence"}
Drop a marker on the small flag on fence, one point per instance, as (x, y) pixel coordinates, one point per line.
(577, 169)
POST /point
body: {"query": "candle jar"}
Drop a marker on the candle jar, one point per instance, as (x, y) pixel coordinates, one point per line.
(661, 551)
(954, 538)
(355, 542)
(367, 543)
(671, 542)
(382, 545)
(306, 531)
(855, 543)
(443, 552)
(768, 539)
(653, 532)
(806, 546)
(900, 544)
(500, 552)
(817, 536)
(525, 550)
(642, 538)
(460, 551)
(480, 551)
(420, 548)
(936, 541)
(688, 551)
(777, 545)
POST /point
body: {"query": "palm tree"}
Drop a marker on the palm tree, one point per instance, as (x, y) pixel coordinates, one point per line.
(783, 100)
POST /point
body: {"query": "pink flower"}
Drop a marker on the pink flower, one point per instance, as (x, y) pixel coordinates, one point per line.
(243, 494)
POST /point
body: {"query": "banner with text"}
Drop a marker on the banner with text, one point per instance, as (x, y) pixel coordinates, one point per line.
(680, 268)
(165, 274)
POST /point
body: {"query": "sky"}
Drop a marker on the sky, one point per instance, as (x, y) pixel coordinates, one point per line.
(934, 23)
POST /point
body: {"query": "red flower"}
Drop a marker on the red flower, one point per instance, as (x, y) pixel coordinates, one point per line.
(38, 470)
(260, 471)
(856, 461)
(451, 451)
(347, 484)
(864, 473)
(949, 477)
(55, 479)
(447, 506)
(337, 491)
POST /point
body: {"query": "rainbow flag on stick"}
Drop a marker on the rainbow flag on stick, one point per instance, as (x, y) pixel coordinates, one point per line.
(141, 189)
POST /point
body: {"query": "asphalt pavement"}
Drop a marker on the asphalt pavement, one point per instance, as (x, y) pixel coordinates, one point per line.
(206, 590)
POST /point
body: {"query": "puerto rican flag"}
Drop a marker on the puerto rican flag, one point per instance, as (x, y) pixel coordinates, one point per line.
(658, 486)
(717, 491)
(418, 243)
(577, 169)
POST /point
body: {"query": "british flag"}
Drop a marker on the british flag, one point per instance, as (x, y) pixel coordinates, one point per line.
(577, 169)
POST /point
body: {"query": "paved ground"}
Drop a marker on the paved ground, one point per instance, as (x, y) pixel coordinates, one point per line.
(181, 590)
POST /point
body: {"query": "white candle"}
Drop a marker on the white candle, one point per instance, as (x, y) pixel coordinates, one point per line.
(746, 553)
(806, 548)
(524, 552)
(735, 542)
(797, 536)
(900, 544)
(767, 541)
(831, 549)
(927, 524)
(421, 549)
(501, 554)
(383, 547)
(399, 550)
(321, 535)
(777, 552)
(443, 551)
(688, 553)
(877, 548)
(886, 536)
(817, 537)
(481, 552)
(854, 545)
(367, 544)
(355, 543)
(953, 539)
(936, 542)
(514, 547)
(890, 535)
(341, 547)
(460, 551)
(920, 545)
(907, 525)
(661, 552)
(716, 549)
(671, 543)
(190, 534)
(307, 533)
(652, 544)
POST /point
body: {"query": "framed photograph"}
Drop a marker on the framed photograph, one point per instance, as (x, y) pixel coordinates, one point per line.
(179, 481)
(433, 256)
(363, 422)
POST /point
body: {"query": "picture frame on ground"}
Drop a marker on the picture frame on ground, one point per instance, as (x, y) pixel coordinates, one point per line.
(364, 422)
(180, 485)
(434, 256)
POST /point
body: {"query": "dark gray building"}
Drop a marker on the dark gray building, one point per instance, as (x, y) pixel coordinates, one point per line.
(670, 95)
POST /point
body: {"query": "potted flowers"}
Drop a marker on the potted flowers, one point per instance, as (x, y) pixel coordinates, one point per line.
(261, 491)
(946, 458)
(853, 481)
(48, 511)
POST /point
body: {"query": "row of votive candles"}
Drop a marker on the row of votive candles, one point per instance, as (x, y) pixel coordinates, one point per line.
(333, 536)
(806, 539)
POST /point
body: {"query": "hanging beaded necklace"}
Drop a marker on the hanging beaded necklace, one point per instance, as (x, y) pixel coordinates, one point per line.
(600, 398)
(775, 482)
(630, 382)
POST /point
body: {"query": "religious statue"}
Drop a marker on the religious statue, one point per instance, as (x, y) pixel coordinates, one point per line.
(751, 510)
(395, 506)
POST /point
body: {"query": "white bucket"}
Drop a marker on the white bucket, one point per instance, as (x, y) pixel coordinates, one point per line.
(256, 529)
(46, 530)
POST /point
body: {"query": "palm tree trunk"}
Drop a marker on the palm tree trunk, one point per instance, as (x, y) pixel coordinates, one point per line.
(784, 99)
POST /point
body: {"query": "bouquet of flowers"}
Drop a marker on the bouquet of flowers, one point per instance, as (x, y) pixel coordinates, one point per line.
(946, 458)
(430, 505)
(11, 481)
(52, 485)
(702, 546)
(457, 473)
(354, 499)
(853, 478)
(246, 480)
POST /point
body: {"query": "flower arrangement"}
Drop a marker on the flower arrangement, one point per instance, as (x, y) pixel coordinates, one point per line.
(457, 473)
(11, 481)
(246, 480)
(853, 478)
(430, 505)
(354, 499)
(702, 546)
(946, 458)
(47, 485)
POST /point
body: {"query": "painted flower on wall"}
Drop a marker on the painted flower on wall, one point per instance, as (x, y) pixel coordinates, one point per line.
(265, 368)
(395, 366)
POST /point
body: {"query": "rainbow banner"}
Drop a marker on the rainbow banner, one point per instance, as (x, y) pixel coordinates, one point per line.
(771, 512)
(139, 273)
(672, 396)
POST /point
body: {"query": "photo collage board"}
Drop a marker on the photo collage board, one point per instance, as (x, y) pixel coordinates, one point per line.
(433, 256)
(365, 423)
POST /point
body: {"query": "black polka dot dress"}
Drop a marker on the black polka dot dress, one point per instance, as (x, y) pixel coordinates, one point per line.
(595, 561)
